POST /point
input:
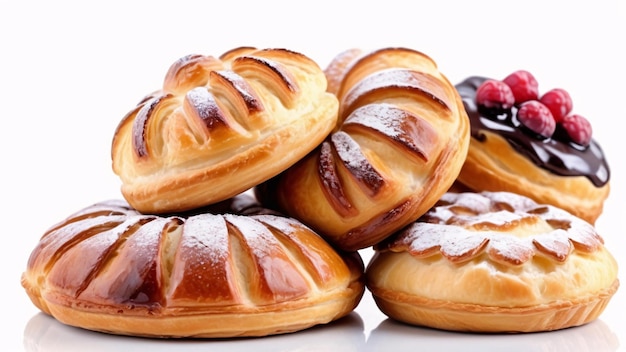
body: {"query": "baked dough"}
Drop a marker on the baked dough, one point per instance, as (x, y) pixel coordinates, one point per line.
(493, 262)
(503, 158)
(207, 274)
(220, 126)
(401, 139)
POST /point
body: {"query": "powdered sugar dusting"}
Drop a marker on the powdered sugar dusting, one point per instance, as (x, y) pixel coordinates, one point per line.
(258, 237)
(349, 152)
(284, 225)
(555, 244)
(275, 269)
(462, 245)
(384, 118)
(206, 235)
(513, 236)
(353, 158)
(405, 79)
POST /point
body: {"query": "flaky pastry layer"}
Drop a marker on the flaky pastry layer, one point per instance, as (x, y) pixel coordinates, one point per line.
(493, 165)
(400, 141)
(220, 126)
(493, 262)
(109, 268)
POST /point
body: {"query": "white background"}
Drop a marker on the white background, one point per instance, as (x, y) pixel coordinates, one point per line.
(70, 70)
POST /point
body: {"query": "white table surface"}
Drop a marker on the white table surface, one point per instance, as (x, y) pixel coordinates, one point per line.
(70, 70)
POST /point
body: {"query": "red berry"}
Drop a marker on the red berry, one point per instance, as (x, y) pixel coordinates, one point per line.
(494, 94)
(559, 102)
(537, 118)
(578, 129)
(523, 85)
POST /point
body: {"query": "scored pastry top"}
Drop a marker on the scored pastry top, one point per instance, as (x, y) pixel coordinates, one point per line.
(401, 138)
(249, 112)
(109, 255)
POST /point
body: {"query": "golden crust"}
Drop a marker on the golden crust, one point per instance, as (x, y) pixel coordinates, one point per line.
(108, 268)
(493, 165)
(400, 142)
(493, 262)
(452, 316)
(220, 126)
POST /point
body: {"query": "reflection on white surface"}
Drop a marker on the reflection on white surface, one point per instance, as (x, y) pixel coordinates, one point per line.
(595, 336)
(44, 334)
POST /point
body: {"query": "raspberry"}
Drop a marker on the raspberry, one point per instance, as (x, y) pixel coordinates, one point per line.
(578, 129)
(523, 85)
(559, 102)
(536, 117)
(494, 94)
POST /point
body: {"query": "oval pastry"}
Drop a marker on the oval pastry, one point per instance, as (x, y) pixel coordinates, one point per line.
(218, 127)
(493, 262)
(235, 271)
(400, 142)
(506, 156)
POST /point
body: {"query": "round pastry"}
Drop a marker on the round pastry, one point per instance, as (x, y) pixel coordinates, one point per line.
(241, 273)
(400, 142)
(532, 144)
(493, 262)
(220, 126)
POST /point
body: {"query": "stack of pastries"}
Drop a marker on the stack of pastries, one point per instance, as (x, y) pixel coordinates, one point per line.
(252, 180)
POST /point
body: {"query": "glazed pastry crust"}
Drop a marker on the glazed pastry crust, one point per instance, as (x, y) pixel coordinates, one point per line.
(278, 319)
(219, 126)
(494, 165)
(400, 142)
(527, 276)
(108, 268)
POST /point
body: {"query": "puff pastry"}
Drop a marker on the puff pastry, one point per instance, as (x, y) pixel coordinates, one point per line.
(493, 262)
(503, 158)
(235, 269)
(219, 126)
(401, 139)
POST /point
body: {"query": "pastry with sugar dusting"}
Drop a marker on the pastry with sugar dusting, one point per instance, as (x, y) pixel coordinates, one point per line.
(234, 269)
(493, 262)
(532, 143)
(219, 126)
(400, 141)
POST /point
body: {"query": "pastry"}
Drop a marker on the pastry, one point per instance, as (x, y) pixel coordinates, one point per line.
(493, 262)
(547, 153)
(243, 272)
(401, 139)
(219, 126)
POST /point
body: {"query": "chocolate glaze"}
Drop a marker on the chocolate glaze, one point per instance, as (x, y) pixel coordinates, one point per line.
(555, 154)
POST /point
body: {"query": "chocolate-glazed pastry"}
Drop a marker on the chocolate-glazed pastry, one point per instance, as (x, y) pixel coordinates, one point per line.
(507, 153)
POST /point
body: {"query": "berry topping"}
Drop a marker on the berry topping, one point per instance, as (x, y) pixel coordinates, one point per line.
(559, 102)
(536, 117)
(542, 116)
(578, 129)
(495, 94)
(523, 85)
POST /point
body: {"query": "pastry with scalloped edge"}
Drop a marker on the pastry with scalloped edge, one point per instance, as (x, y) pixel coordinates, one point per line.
(493, 262)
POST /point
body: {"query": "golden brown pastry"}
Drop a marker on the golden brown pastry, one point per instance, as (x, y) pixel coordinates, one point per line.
(244, 272)
(220, 126)
(400, 142)
(493, 262)
(550, 157)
